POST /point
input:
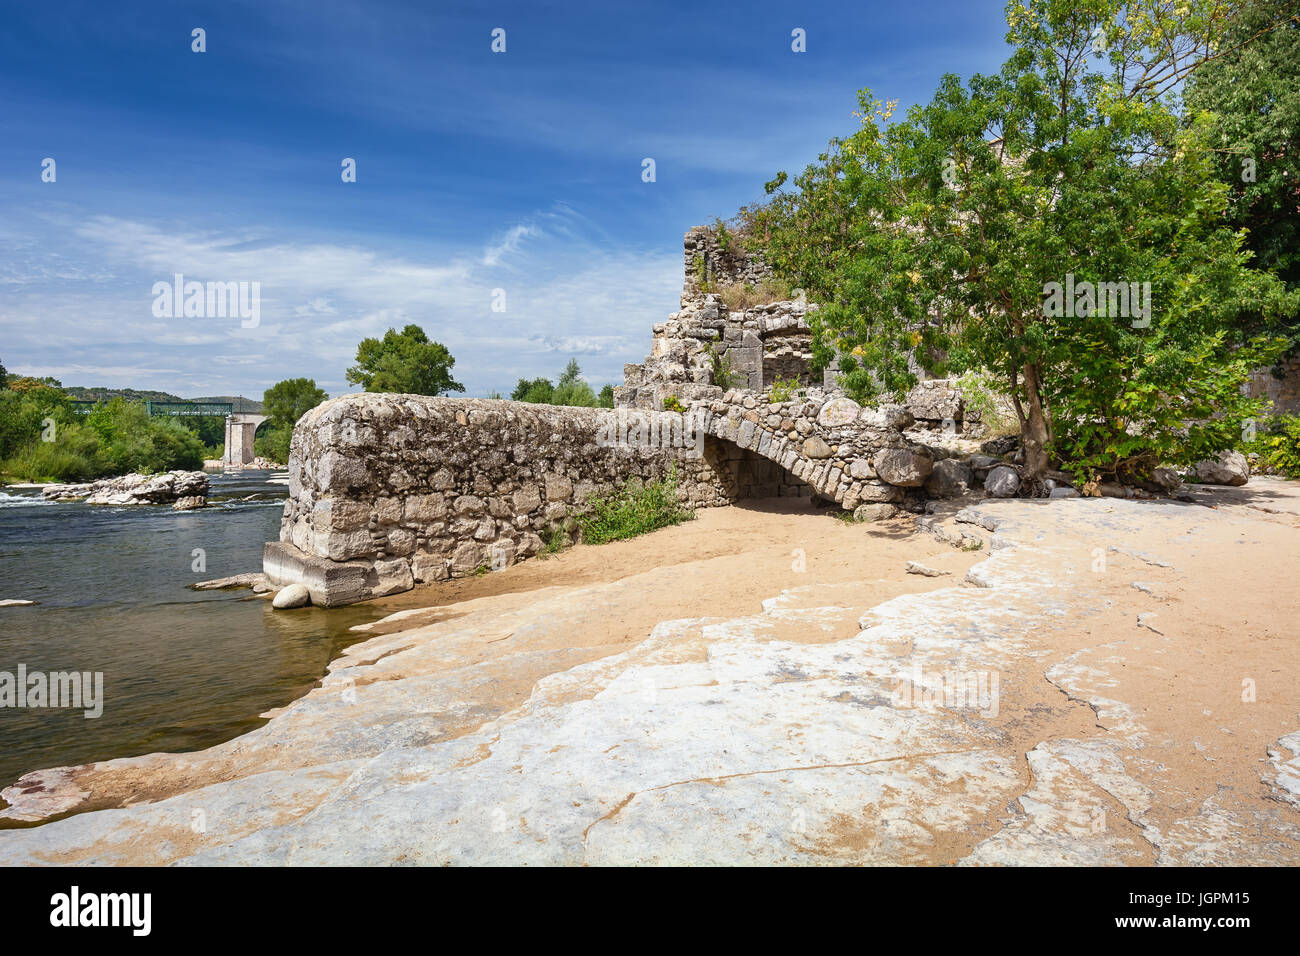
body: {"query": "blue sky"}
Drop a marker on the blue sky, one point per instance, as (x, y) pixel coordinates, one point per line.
(475, 171)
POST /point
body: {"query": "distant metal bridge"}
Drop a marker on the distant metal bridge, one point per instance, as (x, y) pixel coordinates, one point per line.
(175, 409)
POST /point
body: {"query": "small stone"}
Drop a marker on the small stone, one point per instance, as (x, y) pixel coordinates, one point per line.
(815, 447)
(915, 567)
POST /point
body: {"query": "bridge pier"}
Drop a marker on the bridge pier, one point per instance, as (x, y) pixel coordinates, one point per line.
(240, 430)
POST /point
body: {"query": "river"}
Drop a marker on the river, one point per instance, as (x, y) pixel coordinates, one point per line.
(182, 669)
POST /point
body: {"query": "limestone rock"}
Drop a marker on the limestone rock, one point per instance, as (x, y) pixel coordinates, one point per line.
(903, 467)
(134, 489)
(1228, 468)
(190, 503)
(838, 412)
(874, 512)
(950, 478)
(294, 595)
(1002, 482)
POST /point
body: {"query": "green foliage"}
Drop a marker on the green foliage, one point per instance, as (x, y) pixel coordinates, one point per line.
(42, 439)
(673, 404)
(287, 401)
(4, 377)
(723, 372)
(1277, 443)
(701, 272)
(635, 509)
(722, 235)
(406, 362)
(981, 394)
(940, 235)
(272, 442)
(1250, 99)
(571, 389)
(783, 389)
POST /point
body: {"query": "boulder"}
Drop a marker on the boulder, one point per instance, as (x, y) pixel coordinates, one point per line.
(903, 467)
(190, 503)
(839, 412)
(950, 478)
(1003, 481)
(294, 595)
(874, 512)
(1229, 468)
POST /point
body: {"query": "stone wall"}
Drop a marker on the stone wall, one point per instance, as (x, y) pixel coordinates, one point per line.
(388, 490)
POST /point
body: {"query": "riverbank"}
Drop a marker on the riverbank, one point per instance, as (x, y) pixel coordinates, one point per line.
(1131, 666)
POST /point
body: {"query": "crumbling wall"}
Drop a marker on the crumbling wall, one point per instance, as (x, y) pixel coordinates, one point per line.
(387, 490)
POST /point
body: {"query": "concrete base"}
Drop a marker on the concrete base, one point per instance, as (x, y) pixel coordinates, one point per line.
(335, 583)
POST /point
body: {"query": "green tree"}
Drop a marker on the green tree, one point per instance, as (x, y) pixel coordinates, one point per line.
(539, 391)
(4, 377)
(606, 397)
(405, 361)
(287, 401)
(1252, 95)
(944, 234)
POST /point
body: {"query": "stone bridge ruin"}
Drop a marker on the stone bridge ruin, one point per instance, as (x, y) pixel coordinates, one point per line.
(387, 491)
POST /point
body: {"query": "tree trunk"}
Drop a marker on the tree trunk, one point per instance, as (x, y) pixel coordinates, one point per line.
(1033, 435)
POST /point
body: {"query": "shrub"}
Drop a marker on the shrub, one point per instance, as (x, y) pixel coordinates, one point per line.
(723, 373)
(782, 389)
(978, 391)
(673, 404)
(634, 509)
(1278, 445)
(740, 296)
(72, 456)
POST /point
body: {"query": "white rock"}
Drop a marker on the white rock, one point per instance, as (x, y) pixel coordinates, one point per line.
(295, 595)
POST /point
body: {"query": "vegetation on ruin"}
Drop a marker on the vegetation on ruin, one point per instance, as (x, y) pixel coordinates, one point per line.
(783, 389)
(634, 509)
(941, 233)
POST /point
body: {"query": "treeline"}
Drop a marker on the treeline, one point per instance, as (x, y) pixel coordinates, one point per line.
(42, 437)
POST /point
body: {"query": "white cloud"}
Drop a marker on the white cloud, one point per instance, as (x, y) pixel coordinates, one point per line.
(572, 293)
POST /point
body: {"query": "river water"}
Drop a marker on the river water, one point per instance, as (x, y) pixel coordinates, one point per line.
(182, 669)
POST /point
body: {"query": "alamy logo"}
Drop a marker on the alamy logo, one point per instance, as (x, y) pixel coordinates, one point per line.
(1115, 300)
(83, 690)
(633, 429)
(956, 690)
(75, 908)
(211, 300)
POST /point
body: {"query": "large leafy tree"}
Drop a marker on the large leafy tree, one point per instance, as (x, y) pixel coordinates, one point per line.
(943, 235)
(405, 361)
(1251, 93)
(284, 403)
(287, 401)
